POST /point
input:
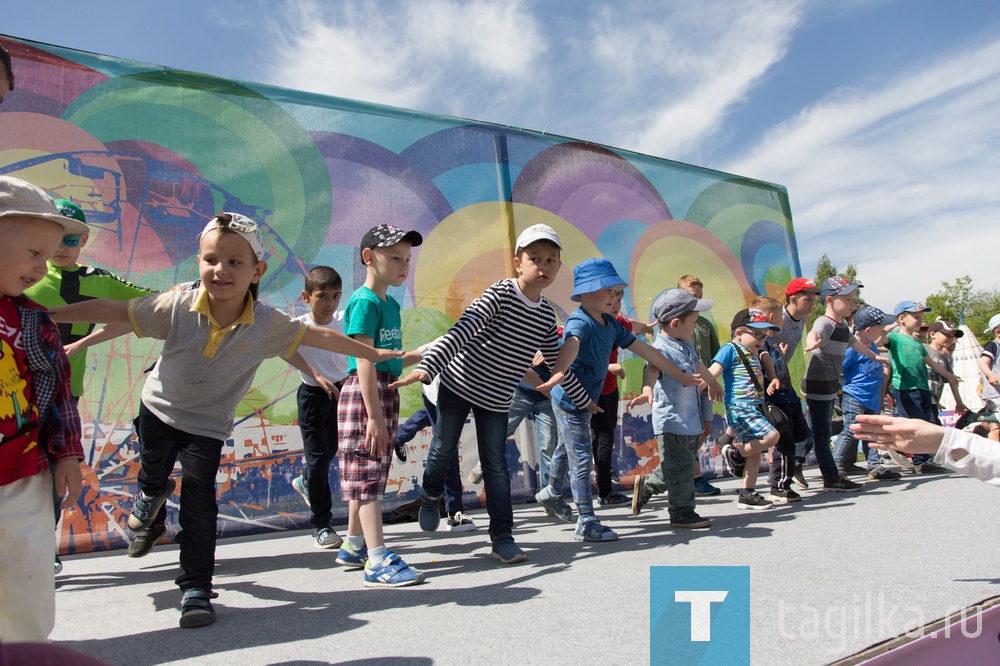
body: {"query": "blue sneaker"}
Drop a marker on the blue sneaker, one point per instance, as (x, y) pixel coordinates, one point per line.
(430, 513)
(391, 571)
(703, 487)
(145, 509)
(352, 559)
(507, 552)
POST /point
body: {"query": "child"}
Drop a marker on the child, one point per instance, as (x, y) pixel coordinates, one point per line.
(800, 296)
(910, 388)
(66, 281)
(943, 337)
(706, 344)
(317, 407)
(215, 337)
(828, 341)
(480, 360)
(589, 334)
(369, 407)
(740, 367)
(42, 431)
(989, 365)
(677, 417)
(864, 390)
(783, 396)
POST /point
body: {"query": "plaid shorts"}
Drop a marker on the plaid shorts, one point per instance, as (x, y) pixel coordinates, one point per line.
(363, 476)
(748, 422)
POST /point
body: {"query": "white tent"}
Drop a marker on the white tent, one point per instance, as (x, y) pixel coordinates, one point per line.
(966, 357)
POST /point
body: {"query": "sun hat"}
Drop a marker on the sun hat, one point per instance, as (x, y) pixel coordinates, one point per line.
(593, 275)
(19, 198)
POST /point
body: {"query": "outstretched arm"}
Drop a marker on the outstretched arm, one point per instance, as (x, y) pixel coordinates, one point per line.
(109, 332)
(660, 362)
(98, 310)
(330, 340)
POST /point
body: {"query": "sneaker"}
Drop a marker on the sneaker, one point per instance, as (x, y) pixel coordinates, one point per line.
(900, 459)
(851, 469)
(614, 497)
(880, 473)
(784, 495)
(299, 484)
(507, 552)
(965, 420)
(196, 609)
(401, 450)
(594, 531)
(556, 506)
(799, 478)
(928, 468)
(734, 461)
(144, 540)
(476, 475)
(58, 565)
(460, 523)
(352, 559)
(639, 494)
(691, 521)
(752, 501)
(145, 509)
(391, 571)
(841, 484)
(429, 515)
(703, 487)
(327, 538)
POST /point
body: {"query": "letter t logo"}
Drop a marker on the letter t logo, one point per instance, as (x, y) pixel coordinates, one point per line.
(701, 610)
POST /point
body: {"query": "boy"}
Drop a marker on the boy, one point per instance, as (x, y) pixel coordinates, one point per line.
(989, 366)
(481, 359)
(706, 343)
(784, 397)
(800, 296)
(588, 336)
(864, 390)
(910, 388)
(369, 407)
(322, 291)
(215, 335)
(828, 341)
(739, 365)
(677, 416)
(43, 428)
(943, 337)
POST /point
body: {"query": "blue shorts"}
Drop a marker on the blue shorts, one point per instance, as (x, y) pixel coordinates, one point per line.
(748, 422)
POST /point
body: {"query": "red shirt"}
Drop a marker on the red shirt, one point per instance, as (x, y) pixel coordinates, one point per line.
(611, 381)
(19, 432)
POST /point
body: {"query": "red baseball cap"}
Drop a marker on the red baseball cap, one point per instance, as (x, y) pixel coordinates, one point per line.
(799, 285)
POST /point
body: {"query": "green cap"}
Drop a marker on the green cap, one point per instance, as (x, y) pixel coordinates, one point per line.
(69, 208)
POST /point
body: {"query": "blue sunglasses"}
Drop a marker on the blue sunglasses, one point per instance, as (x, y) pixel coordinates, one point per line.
(72, 241)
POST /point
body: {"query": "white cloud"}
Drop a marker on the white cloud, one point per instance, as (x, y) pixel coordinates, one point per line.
(899, 178)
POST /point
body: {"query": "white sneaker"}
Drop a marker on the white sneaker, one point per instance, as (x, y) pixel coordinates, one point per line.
(476, 475)
(460, 523)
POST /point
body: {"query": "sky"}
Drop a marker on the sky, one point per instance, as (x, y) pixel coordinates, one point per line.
(878, 116)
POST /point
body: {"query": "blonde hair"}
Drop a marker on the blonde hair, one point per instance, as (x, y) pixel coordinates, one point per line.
(765, 304)
(688, 281)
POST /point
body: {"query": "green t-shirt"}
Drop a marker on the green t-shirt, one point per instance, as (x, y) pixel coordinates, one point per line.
(367, 314)
(909, 370)
(71, 285)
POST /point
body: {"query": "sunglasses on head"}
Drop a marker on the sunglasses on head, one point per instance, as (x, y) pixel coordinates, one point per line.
(72, 240)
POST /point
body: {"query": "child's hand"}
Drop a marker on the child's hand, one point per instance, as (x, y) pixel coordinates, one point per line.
(593, 408)
(952, 378)
(73, 348)
(688, 379)
(331, 389)
(68, 481)
(382, 355)
(884, 361)
(811, 345)
(645, 398)
(993, 379)
(773, 386)
(617, 370)
(715, 391)
(377, 438)
(414, 376)
(554, 380)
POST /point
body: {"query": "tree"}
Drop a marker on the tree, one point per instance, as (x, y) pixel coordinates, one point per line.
(959, 302)
(825, 269)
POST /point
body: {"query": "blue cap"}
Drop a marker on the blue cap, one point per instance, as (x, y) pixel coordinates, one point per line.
(752, 319)
(909, 306)
(674, 303)
(837, 286)
(871, 316)
(592, 275)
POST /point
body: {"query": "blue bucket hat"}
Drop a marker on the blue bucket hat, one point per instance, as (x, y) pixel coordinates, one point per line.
(593, 275)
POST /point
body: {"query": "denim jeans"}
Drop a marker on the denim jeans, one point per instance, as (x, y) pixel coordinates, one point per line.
(160, 447)
(539, 411)
(821, 415)
(574, 453)
(491, 429)
(845, 452)
(453, 477)
(916, 404)
(603, 426)
(318, 423)
(675, 475)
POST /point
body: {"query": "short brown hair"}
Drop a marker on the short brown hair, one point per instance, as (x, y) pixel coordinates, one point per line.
(765, 304)
(688, 281)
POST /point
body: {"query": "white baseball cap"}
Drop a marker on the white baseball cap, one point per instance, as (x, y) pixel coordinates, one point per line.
(19, 198)
(242, 225)
(535, 233)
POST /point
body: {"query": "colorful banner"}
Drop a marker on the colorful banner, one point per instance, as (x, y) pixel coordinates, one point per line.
(151, 154)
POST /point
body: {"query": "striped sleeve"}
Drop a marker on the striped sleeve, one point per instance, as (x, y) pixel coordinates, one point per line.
(476, 317)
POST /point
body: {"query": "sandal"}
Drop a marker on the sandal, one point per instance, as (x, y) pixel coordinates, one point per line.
(594, 531)
(196, 608)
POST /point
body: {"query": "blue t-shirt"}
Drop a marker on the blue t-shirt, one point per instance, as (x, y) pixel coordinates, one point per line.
(786, 393)
(676, 408)
(863, 378)
(367, 314)
(740, 388)
(596, 343)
